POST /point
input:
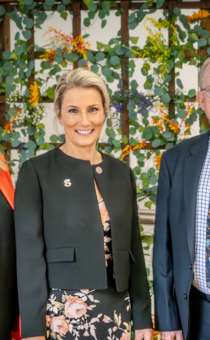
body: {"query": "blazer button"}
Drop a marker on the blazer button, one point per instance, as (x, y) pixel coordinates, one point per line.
(99, 170)
(185, 296)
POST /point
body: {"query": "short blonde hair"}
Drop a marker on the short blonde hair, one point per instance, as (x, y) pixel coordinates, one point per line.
(80, 77)
(202, 73)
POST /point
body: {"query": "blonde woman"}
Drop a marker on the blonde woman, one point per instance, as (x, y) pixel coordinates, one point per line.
(8, 287)
(81, 271)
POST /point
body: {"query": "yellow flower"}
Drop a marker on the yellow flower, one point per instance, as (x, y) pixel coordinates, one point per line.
(34, 94)
(202, 14)
(158, 160)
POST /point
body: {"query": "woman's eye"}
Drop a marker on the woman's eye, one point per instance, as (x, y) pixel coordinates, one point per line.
(93, 109)
(73, 111)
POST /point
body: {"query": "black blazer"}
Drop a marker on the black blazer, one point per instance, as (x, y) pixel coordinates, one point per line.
(8, 284)
(174, 241)
(59, 235)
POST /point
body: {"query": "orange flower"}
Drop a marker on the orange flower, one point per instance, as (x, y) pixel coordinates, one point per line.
(158, 160)
(126, 151)
(34, 94)
(9, 126)
(202, 14)
(48, 55)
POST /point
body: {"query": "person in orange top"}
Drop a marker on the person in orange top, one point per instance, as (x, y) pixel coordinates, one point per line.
(9, 323)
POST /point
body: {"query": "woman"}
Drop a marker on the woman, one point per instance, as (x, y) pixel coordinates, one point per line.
(8, 287)
(79, 254)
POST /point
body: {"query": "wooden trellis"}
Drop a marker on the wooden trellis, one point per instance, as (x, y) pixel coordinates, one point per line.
(76, 7)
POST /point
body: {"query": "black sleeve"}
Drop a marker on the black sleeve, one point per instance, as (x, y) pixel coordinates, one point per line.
(31, 265)
(166, 314)
(139, 288)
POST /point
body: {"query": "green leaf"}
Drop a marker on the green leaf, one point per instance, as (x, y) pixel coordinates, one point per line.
(9, 80)
(202, 42)
(167, 134)
(61, 8)
(30, 145)
(165, 98)
(114, 60)
(182, 113)
(50, 92)
(64, 15)
(6, 55)
(158, 91)
(87, 2)
(124, 139)
(191, 93)
(103, 23)
(87, 22)
(99, 45)
(194, 36)
(54, 139)
(100, 56)
(92, 7)
(107, 72)
(176, 11)
(159, 3)
(2, 10)
(27, 34)
(66, 2)
(101, 14)
(179, 83)
(49, 2)
(94, 68)
(153, 180)
(116, 143)
(156, 143)
(148, 84)
(147, 134)
(81, 63)
(150, 2)
(134, 40)
(120, 50)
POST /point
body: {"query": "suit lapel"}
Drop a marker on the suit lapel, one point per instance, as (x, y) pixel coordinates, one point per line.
(192, 171)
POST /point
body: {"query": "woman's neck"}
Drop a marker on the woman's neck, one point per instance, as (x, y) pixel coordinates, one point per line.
(84, 153)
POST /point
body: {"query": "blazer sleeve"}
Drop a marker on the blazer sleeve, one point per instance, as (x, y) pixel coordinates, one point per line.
(166, 314)
(31, 265)
(138, 288)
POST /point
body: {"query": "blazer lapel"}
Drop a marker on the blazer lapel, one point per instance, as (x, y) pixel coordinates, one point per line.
(192, 171)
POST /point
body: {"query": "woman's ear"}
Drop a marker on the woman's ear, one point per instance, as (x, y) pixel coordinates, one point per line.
(58, 114)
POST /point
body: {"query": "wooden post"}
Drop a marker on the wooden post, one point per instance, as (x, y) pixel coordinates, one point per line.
(171, 85)
(5, 41)
(125, 69)
(76, 19)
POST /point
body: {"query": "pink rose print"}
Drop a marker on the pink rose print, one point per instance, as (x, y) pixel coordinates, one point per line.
(75, 307)
(48, 320)
(60, 325)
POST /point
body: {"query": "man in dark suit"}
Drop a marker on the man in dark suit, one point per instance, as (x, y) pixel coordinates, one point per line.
(181, 257)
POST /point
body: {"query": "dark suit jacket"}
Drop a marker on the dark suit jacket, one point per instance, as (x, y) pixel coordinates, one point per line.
(174, 241)
(59, 235)
(8, 284)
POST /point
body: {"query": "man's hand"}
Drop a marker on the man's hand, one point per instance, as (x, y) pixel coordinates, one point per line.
(172, 335)
(35, 338)
(146, 334)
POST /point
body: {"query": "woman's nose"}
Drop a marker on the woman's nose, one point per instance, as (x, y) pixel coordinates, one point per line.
(84, 120)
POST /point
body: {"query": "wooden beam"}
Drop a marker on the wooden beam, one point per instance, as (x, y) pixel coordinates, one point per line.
(125, 69)
(5, 42)
(76, 19)
(171, 85)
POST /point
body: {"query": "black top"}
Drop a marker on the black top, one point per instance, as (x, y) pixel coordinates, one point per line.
(60, 242)
(8, 288)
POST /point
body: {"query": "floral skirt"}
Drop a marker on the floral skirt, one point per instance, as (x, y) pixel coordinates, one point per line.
(93, 314)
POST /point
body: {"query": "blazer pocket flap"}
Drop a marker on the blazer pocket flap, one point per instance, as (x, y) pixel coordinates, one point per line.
(60, 255)
(131, 255)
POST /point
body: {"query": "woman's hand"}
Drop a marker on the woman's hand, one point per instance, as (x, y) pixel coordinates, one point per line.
(146, 334)
(35, 338)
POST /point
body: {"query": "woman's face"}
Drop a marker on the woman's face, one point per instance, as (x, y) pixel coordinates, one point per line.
(82, 116)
